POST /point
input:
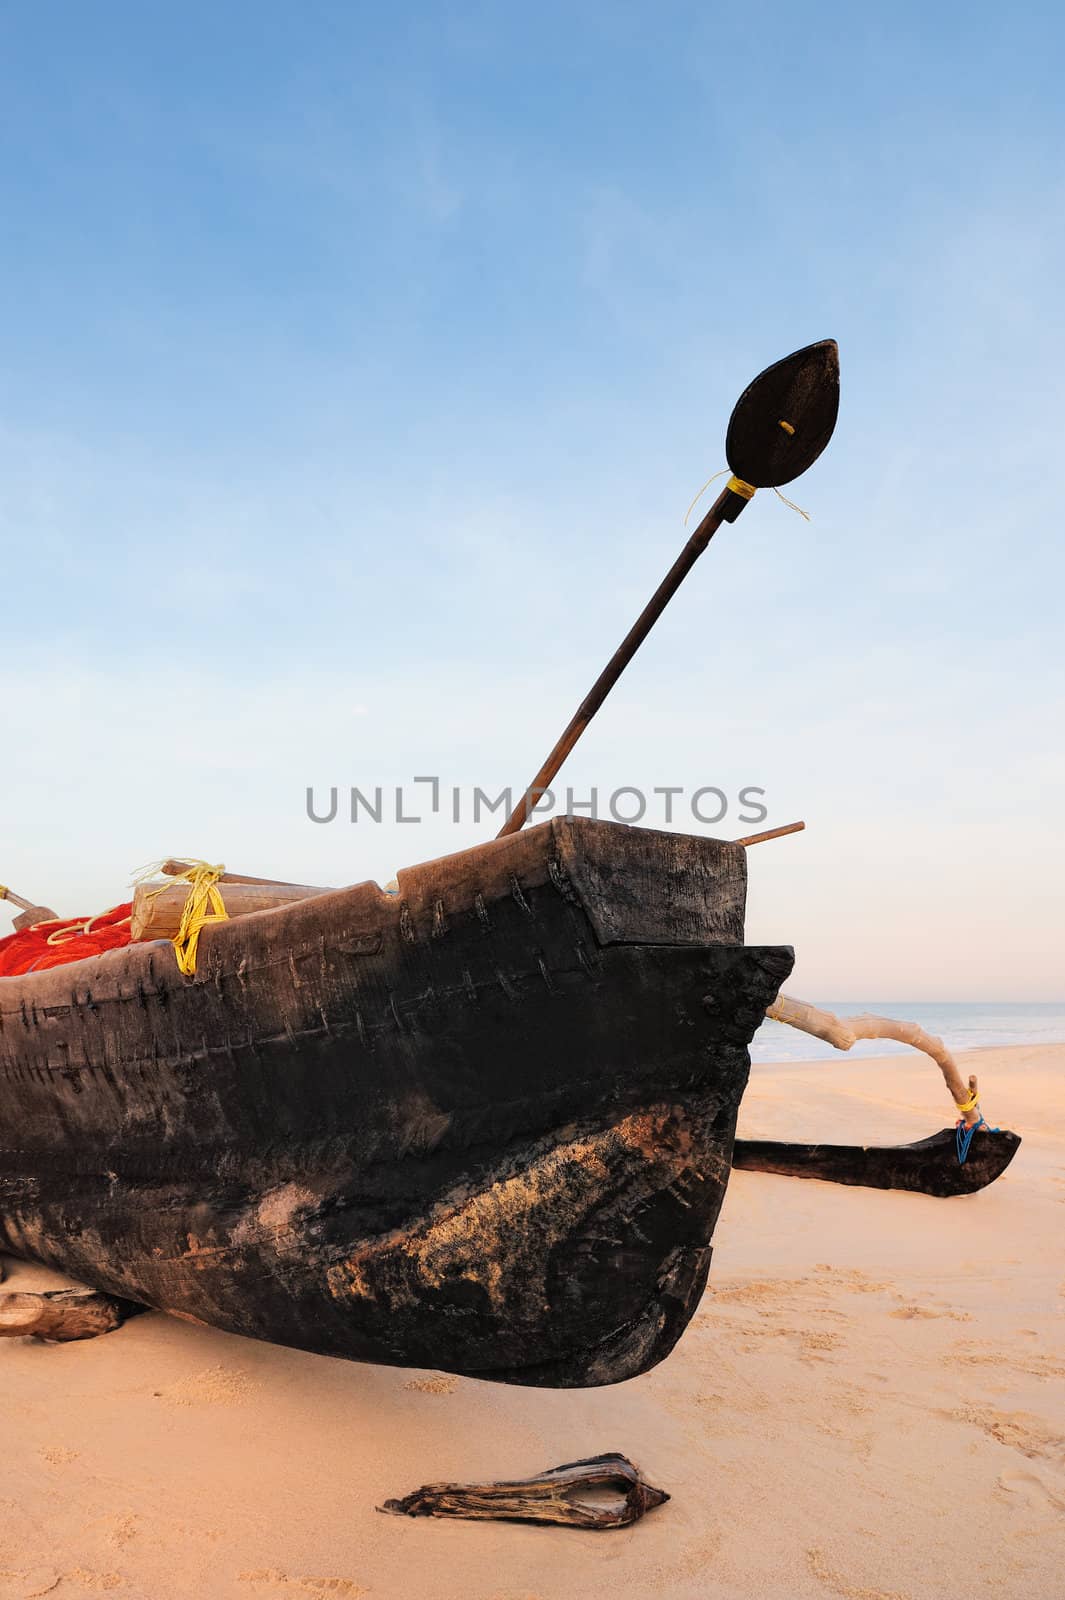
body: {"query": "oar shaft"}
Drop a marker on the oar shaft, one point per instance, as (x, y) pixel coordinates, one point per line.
(725, 508)
(16, 899)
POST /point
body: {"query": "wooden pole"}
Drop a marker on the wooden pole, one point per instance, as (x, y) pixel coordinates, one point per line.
(177, 869)
(726, 508)
(779, 426)
(771, 833)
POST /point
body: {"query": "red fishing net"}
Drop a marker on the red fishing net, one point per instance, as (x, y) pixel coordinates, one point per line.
(54, 944)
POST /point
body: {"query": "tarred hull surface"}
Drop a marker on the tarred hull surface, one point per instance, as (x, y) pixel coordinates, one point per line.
(484, 1126)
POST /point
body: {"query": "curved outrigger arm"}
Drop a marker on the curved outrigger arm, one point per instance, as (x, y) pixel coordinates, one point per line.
(951, 1162)
(843, 1032)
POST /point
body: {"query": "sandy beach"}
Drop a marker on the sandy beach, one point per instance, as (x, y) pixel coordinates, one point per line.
(868, 1405)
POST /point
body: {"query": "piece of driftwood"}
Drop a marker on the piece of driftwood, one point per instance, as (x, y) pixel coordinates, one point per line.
(157, 911)
(483, 1125)
(63, 1314)
(843, 1032)
(930, 1166)
(603, 1492)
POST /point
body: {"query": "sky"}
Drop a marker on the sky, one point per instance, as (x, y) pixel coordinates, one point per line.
(359, 364)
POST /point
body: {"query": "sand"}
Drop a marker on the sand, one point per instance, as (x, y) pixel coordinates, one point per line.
(869, 1405)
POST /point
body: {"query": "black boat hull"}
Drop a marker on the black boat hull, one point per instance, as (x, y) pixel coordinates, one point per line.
(485, 1126)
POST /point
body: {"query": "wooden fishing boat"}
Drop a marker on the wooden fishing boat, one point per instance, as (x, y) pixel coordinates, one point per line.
(483, 1125)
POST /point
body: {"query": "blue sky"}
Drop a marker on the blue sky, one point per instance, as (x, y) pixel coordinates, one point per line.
(360, 362)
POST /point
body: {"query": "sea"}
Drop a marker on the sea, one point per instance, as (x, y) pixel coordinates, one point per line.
(961, 1024)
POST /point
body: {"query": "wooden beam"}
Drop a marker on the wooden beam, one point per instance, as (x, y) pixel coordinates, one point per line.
(157, 911)
(771, 833)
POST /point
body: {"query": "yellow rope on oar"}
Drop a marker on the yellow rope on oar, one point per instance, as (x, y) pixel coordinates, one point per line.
(203, 906)
(965, 1106)
(746, 491)
(791, 505)
(712, 479)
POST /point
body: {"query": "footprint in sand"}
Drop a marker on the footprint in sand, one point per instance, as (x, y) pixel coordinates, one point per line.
(916, 1311)
(1019, 1430)
(815, 1345)
(853, 1279)
(272, 1578)
(981, 1353)
(834, 1581)
(123, 1530)
(30, 1582)
(1030, 1487)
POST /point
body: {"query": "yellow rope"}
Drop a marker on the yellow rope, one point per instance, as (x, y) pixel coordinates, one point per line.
(712, 479)
(746, 490)
(968, 1105)
(203, 906)
(791, 504)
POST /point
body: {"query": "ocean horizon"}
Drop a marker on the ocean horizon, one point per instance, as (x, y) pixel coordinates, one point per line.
(961, 1024)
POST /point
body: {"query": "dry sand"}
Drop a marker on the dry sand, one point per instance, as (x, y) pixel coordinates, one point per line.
(869, 1405)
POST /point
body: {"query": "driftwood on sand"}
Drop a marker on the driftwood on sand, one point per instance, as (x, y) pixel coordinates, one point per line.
(63, 1314)
(603, 1492)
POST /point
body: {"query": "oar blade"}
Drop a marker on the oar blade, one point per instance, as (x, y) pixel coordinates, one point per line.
(783, 420)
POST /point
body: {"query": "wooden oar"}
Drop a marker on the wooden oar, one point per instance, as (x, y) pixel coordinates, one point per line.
(779, 427)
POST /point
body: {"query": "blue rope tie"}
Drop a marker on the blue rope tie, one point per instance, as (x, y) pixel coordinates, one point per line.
(963, 1137)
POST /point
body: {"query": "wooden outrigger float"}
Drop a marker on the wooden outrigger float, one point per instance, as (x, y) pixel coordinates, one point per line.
(484, 1124)
(928, 1166)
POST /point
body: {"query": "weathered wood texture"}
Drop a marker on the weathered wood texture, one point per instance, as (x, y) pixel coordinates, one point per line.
(603, 1492)
(484, 1125)
(930, 1166)
(157, 912)
(63, 1314)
